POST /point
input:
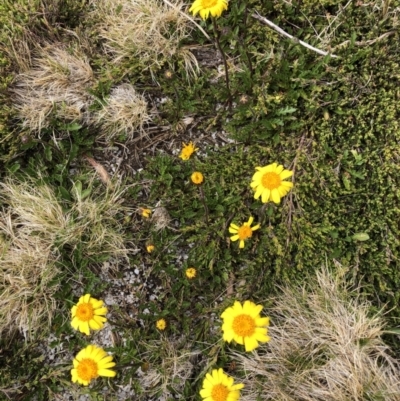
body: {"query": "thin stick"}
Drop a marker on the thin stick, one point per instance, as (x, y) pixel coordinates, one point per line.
(216, 34)
(282, 32)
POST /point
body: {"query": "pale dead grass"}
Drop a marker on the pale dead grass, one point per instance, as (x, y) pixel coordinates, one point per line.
(326, 345)
(33, 230)
(55, 86)
(149, 31)
(27, 273)
(170, 364)
(125, 112)
(91, 220)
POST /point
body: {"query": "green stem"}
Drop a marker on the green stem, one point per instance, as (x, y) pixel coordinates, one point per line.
(216, 34)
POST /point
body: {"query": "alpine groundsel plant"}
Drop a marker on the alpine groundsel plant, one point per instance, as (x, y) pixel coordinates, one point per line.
(214, 8)
(218, 386)
(268, 183)
(90, 363)
(88, 314)
(243, 232)
(244, 325)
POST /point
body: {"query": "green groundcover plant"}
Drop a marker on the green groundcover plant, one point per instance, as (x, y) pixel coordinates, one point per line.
(199, 201)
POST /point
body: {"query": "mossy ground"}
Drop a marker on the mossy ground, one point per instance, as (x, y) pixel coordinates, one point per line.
(334, 121)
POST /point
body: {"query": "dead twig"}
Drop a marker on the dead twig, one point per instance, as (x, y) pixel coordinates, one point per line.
(257, 16)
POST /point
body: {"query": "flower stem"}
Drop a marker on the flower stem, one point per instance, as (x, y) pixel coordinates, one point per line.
(203, 200)
(216, 35)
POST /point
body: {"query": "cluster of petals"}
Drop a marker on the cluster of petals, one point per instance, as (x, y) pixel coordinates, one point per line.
(206, 8)
(268, 183)
(88, 314)
(197, 178)
(243, 232)
(218, 386)
(187, 151)
(243, 324)
(90, 363)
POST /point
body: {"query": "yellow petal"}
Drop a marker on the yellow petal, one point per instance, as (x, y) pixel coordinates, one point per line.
(275, 196)
(107, 373)
(84, 328)
(262, 321)
(235, 238)
(285, 174)
(250, 344)
(241, 244)
(265, 195)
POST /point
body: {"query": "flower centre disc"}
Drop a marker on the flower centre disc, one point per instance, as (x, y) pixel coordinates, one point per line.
(209, 3)
(84, 312)
(87, 369)
(271, 180)
(244, 325)
(219, 393)
(244, 232)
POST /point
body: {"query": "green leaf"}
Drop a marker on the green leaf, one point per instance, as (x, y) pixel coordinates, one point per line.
(64, 193)
(14, 168)
(360, 237)
(48, 153)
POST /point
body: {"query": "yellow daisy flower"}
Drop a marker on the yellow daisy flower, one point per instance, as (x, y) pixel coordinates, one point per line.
(243, 232)
(161, 324)
(268, 182)
(187, 151)
(218, 386)
(191, 272)
(197, 178)
(150, 248)
(244, 324)
(90, 363)
(88, 314)
(207, 7)
(145, 212)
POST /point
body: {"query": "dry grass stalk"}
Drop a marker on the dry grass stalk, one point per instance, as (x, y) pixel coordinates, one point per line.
(55, 85)
(124, 113)
(326, 346)
(149, 30)
(102, 172)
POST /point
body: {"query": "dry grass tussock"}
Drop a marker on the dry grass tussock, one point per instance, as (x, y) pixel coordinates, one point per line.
(125, 112)
(171, 363)
(326, 346)
(147, 30)
(33, 229)
(27, 270)
(91, 220)
(54, 86)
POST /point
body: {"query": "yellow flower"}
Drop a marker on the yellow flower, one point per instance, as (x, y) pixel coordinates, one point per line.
(90, 363)
(207, 7)
(218, 386)
(187, 151)
(88, 314)
(150, 248)
(244, 324)
(268, 182)
(197, 178)
(243, 232)
(145, 212)
(161, 324)
(191, 272)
